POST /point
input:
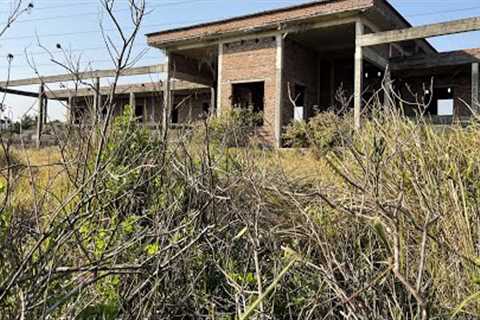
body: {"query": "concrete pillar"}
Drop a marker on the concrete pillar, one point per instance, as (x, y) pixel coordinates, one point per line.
(71, 114)
(132, 101)
(45, 110)
(167, 101)
(97, 100)
(40, 117)
(212, 101)
(219, 78)
(475, 87)
(279, 89)
(358, 84)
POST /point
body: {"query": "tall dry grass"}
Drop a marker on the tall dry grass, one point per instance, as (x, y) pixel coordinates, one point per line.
(382, 224)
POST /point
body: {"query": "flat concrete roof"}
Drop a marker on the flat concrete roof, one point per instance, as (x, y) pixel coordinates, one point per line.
(260, 20)
(148, 87)
(278, 19)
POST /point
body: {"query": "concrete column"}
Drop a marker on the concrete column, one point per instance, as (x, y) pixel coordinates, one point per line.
(212, 101)
(219, 80)
(279, 90)
(132, 101)
(167, 101)
(40, 117)
(358, 84)
(475, 87)
(45, 110)
(71, 113)
(96, 100)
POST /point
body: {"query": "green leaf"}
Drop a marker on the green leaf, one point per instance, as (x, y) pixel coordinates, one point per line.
(152, 249)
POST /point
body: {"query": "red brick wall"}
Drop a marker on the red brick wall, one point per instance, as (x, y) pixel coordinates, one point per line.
(251, 60)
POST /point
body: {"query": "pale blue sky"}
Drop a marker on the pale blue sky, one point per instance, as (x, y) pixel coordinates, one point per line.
(75, 25)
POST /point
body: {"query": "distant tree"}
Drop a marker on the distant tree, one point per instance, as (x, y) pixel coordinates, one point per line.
(27, 122)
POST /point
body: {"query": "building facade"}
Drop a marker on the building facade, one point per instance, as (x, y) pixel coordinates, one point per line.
(294, 62)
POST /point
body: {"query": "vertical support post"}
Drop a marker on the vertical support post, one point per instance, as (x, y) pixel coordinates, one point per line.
(70, 107)
(332, 82)
(40, 116)
(279, 90)
(96, 100)
(358, 86)
(132, 101)
(219, 80)
(146, 117)
(45, 109)
(212, 101)
(475, 87)
(167, 102)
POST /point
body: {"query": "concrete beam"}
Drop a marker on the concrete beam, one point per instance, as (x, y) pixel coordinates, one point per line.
(159, 68)
(19, 92)
(443, 59)
(426, 31)
(140, 88)
(375, 58)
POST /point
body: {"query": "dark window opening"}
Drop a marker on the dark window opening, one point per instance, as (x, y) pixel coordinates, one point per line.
(139, 113)
(174, 116)
(299, 98)
(249, 95)
(300, 95)
(78, 115)
(206, 108)
(441, 102)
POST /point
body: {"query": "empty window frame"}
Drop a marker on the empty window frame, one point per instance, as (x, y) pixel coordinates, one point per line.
(249, 95)
(139, 113)
(299, 98)
(442, 102)
(206, 109)
(174, 115)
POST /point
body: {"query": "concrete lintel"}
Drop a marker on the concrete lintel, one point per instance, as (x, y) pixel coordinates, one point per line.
(421, 32)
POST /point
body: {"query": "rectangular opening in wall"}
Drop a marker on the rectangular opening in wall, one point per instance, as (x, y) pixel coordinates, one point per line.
(249, 95)
(174, 115)
(205, 109)
(299, 98)
(445, 101)
(442, 102)
(139, 113)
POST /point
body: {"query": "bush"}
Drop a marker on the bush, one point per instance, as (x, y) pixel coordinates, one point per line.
(235, 127)
(324, 132)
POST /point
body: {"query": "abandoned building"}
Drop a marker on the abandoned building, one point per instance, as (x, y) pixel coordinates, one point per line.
(294, 62)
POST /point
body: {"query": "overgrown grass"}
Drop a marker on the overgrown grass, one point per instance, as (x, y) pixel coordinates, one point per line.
(384, 223)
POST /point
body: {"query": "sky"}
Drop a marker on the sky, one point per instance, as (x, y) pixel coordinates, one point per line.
(75, 25)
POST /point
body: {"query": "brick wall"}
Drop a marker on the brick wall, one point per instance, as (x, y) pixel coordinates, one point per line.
(251, 60)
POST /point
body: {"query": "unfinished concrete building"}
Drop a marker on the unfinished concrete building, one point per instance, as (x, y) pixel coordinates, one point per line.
(292, 63)
(308, 52)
